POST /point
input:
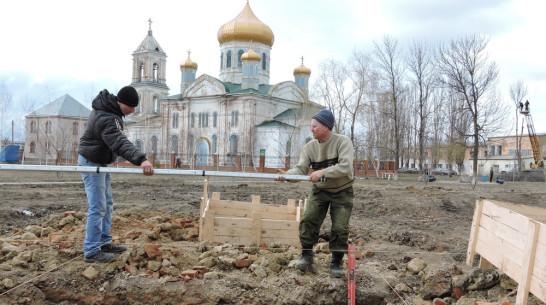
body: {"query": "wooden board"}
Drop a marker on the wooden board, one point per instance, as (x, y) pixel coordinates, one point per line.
(513, 242)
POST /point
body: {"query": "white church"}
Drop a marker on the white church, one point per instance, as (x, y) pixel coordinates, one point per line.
(229, 121)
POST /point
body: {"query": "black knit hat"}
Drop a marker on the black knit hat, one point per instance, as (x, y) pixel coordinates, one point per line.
(325, 117)
(128, 96)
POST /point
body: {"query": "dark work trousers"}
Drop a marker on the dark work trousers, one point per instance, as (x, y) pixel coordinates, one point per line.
(340, 204)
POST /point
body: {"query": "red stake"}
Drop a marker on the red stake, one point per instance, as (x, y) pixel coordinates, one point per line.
(351, 276)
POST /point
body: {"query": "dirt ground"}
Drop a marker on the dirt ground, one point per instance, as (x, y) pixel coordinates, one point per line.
(393, 223)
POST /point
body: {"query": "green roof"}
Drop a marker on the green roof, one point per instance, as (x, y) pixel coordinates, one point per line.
(274, 124)
(65, 106)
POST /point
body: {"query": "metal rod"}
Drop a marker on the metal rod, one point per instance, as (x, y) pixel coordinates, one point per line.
(135, 170)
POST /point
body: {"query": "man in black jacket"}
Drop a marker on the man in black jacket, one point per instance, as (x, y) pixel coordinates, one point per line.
(102, 142)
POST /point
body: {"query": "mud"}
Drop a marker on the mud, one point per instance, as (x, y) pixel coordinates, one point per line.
(393, 224)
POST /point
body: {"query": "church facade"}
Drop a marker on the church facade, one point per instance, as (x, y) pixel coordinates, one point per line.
(231, 120)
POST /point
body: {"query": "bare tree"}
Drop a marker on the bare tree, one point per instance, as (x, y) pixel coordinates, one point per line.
(332, 89)
(391, 71)
(423, 76)
(5, 101)
(465, 69)
(362, 79)
(518, 91)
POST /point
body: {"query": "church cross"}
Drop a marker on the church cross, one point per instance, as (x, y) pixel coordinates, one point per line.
(150, 22)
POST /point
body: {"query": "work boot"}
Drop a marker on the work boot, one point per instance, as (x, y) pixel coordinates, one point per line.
(306, 259)
(335, 265)
(100, 257)
(112, 248)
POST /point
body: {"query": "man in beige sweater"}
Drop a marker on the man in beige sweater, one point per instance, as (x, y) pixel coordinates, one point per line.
(330, 156)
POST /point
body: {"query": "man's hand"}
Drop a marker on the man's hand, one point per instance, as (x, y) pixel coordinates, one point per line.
(316, 175)
(280, 178)
(147, 168)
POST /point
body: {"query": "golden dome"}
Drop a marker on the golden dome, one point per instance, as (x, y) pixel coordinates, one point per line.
(251, 55)
(188, 64)
(302, 69)
(246, 27)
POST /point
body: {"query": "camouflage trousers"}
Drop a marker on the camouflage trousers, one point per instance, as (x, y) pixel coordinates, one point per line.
(340, 205)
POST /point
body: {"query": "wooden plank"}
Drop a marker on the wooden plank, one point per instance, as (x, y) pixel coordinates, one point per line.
(206, 189)
(255, 199)
(291, 203)
(298, 212)
(474, 229)
(277, 224)
(256, 227)
(215, 196)
(528, 261)
(538, 288)
(241, 205)
(503, 263)
(227, 212)
(498, 245)
(238, 209)
(233, 222)
(503, 231)
(227, 226)
(506, 216)
(208, 229)
(540, 258)
(485, 264)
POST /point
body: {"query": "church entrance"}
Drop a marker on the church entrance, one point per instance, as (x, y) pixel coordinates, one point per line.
(202, 153)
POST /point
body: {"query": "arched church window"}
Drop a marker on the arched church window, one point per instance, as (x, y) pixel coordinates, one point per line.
(48, 127)
(156, 105)
(228, 59)
(75, 126)
(192, 119)
(154, 144)
(233, 144)
(156, 71)
(190, 144)
(234, 118)
(239, 61)
(222, 60)
(32, 147)
(264, 62)
(214, 143)
(33, 127)
(214, 118)
(140, 71)
(174, 144)
(139, 144)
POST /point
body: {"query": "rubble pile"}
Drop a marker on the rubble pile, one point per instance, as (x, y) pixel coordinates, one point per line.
(163, 249)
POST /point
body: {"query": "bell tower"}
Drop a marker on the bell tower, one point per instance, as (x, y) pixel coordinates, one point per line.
(149, 70)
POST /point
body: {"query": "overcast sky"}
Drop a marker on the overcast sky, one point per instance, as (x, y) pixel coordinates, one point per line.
(50, 48)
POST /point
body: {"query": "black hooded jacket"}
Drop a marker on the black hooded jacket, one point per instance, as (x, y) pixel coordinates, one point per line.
(104, 140)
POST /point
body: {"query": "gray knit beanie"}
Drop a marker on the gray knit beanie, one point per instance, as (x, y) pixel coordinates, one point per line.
(325, 117)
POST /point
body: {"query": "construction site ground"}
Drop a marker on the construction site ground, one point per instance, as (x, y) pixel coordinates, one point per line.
(394, 226)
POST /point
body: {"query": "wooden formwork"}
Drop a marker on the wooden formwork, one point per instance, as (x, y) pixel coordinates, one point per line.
(513, 239)
(243, 223)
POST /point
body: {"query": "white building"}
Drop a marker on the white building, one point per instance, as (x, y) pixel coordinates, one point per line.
(226, 121)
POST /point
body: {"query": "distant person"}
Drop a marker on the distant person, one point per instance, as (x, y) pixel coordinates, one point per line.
(527, 105)
(491, 174)
(520, 106)
(330, 156)
(177, 163)
(102, 142)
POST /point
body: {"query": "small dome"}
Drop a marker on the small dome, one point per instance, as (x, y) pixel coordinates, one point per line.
(251, 55)
(302, 69)
(188, 64)
(246, 27)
